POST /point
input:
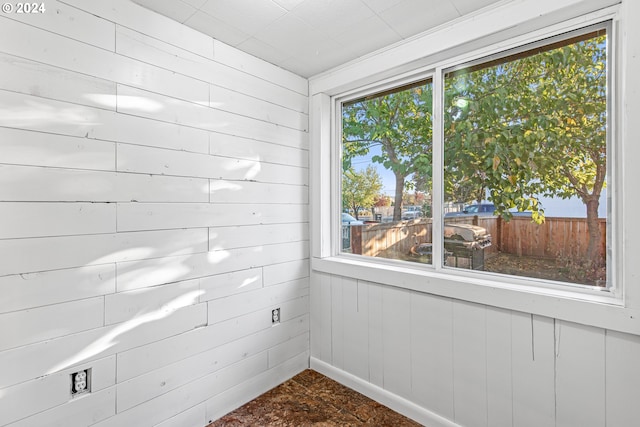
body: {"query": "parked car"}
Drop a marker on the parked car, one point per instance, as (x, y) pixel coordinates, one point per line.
(482, 209)
(349, 220)
(412, 212)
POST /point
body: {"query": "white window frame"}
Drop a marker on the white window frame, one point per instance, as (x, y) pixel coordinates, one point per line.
(583, 304)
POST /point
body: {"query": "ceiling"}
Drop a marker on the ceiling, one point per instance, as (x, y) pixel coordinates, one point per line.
(308, 37)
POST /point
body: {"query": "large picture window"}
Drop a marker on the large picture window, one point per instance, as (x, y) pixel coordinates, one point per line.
(524, 175)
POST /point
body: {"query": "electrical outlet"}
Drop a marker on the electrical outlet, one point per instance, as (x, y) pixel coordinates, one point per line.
(81, 382)
(275, 316)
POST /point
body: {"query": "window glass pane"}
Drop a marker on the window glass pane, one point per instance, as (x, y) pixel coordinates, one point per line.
(525, 163)
(386, 174)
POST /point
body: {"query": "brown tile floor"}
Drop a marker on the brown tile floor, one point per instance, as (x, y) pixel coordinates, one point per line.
(311, 399)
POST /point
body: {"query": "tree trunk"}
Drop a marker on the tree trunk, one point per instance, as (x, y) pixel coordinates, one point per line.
(355, 211)
(397, 207)
(593, 226)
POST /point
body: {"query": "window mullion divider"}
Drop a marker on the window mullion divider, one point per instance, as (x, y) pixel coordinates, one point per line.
(437, 167)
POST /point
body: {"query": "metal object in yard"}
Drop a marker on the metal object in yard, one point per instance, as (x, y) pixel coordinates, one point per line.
(466, 242)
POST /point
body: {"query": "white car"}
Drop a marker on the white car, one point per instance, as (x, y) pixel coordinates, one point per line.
(411, 212)
(349, 220)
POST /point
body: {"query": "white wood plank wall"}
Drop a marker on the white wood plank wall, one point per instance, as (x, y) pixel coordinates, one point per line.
(153, 211)
(447, 362)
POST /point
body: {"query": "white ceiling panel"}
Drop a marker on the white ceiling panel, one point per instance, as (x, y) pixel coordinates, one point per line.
(372, 31)
(410, 17)
(288, 4)
(308, 37)
(291, 34)
(332, 16)
(270, 53)
(216, 28)
(380, 5)
(177, 10)
(468, 6)
(248, 16)
(195, 3)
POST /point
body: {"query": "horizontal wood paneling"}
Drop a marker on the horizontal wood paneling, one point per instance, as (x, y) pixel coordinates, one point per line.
(195, 113)
(153, 209)
(249, 149)
(288, 350)
(131, 15)
(22, 147)
(60, 18)
(257, 192)
(23, 291)
(152, 384)
(44, 393)
(155, 355)
(182, 398)
(234, 102)
(55, 219)
(39, 324)
(33, 78)
(155, 216)
(43, 253)
(222, 285)
(21, 183)
(129, 305)
(156, 271)
(169, 162)
(286, 271)
(243, 236)
(225, 402)
(195, 416)
(241, 61)
(32, 43)
(76, 412)
(151, 50)
(270, 297)
(84, 347)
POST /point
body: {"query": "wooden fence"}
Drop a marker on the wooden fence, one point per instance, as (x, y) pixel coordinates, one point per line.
(556, 237)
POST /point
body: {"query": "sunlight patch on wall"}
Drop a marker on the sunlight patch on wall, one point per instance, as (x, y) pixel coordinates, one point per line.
(138, 103)
(216, 257)
(248, 281)
(125, 255)
(39, 114)
(110, 338)
(224, 185)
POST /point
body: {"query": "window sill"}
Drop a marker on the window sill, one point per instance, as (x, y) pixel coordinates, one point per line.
(595, 307)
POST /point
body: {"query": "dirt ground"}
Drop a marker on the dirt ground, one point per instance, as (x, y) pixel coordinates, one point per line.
(548, 269)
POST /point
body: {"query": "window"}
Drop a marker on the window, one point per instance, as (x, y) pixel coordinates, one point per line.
(523, 183)
(387, 143)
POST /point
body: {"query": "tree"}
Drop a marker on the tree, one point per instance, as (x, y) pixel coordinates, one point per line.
(400, 124)
(531, 126)
(382, 200)
(360, 189)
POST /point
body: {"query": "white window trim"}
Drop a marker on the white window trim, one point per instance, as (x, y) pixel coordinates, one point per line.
(611, 310)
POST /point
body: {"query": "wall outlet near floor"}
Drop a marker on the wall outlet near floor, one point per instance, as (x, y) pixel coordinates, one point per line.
(275, 316)
(81, 382)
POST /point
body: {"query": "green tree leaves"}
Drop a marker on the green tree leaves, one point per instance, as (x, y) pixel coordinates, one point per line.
(530, 126)
(360, 190)
(400, 123)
